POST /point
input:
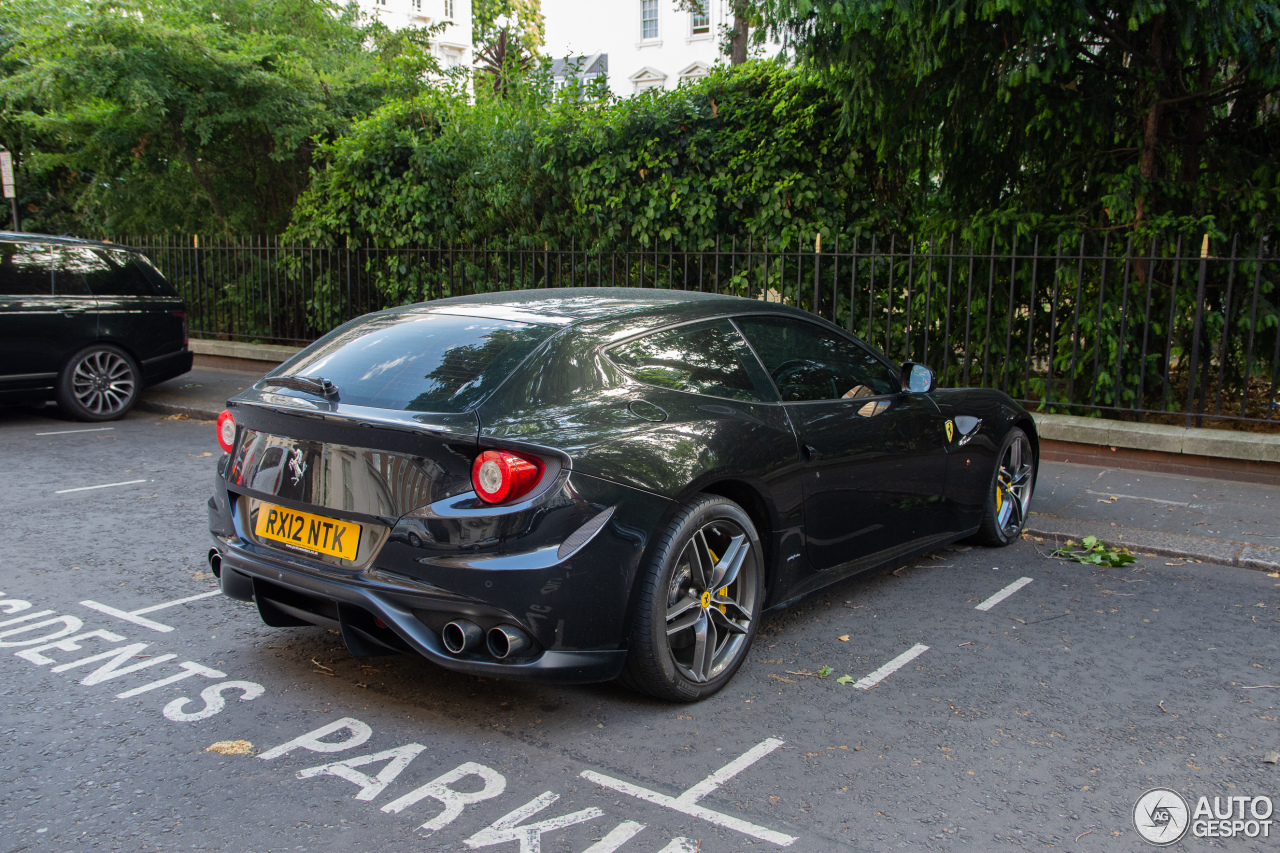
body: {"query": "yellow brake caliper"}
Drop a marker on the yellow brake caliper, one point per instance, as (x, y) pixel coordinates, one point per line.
(725, 591)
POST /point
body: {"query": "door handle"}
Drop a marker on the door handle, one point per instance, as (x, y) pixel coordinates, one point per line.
(68, 311)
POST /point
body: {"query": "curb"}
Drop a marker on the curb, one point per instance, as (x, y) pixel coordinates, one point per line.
(1205, 550)
(197, 410)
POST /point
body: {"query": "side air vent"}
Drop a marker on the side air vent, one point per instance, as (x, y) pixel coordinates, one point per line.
(583, 534)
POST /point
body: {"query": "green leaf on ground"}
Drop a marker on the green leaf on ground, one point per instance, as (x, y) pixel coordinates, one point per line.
(845, 679)
(823, 671)
(1095, 553)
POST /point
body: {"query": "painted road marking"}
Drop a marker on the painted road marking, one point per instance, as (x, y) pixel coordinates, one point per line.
(70, 431)
(686, 802)
(103, 486)
(1137, 498)
(891, 667)
(135, 616)
(1003, 594)
(618, 836)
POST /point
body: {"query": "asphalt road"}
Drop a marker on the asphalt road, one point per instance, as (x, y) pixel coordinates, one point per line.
(1035, 723)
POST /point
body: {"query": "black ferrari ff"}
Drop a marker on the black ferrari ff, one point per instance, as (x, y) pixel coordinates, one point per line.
(589, 484)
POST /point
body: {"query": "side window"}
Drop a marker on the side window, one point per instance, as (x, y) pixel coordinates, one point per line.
(709, 358)
(808, 362)
(26, 269)
(108, 272)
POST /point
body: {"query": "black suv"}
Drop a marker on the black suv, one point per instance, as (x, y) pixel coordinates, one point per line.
(86, 324)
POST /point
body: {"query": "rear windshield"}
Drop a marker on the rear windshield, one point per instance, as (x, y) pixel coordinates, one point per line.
(418, 362)
(115, 272)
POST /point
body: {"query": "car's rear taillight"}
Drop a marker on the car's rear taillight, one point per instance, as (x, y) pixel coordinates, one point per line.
(182, 315)
(226, 431)
(502, 475)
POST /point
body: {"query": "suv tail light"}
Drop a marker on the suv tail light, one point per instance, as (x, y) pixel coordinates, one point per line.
(182, 315)
(226, 431)
(503, 475)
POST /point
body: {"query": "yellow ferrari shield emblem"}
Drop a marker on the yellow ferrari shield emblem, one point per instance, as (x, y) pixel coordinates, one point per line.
(706, 598)
(951, 430)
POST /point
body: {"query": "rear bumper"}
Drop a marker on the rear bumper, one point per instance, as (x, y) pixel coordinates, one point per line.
(570, 594)
(352, 606)
(165, 367)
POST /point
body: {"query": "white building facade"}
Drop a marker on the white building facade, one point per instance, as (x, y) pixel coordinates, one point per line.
(453, 47)
(648, 43)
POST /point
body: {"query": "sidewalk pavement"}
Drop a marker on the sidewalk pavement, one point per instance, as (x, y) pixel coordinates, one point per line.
(1192, 518)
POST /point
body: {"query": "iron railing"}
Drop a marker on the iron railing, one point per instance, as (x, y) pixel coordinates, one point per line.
(1174, 331)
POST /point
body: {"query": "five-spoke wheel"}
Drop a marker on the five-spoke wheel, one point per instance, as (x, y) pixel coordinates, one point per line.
(99, 383)
(699, 604)
(1015, 476)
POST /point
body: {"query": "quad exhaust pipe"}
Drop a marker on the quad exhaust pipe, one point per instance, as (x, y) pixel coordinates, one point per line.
(507, 641)
(504, 641)
(461, 636)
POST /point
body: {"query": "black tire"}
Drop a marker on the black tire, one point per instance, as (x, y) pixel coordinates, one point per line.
(700, 657)
(99, 383)
(1004, 513)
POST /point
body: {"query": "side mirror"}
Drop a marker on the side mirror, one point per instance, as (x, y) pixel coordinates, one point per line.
(918, 379)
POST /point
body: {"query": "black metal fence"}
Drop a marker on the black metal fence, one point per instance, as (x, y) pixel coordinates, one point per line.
(1175, 331)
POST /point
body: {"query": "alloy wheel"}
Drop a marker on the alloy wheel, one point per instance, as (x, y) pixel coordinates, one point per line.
(1013, 485)
(103, 382)
(710, 600)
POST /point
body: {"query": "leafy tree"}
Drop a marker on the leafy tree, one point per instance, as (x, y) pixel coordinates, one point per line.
(193, 115)
(526, 16)
(746, 16)
(1143, 113)
(749, 152)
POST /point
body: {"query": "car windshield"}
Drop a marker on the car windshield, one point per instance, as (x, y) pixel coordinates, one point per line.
(418, 361)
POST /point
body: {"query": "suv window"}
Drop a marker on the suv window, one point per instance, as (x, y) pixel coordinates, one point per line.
(26, 269)
(418, 361)
(808, 362)
(709, 358)
(111, 272)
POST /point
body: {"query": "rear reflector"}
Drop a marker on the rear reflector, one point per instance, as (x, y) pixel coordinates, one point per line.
(501, 475)
(226, 431)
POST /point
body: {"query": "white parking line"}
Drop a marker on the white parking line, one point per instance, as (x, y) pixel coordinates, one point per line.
(1003, 594)
(135, 616)
(686, 802)
(70, 431)
(891, 667)
(103, 486)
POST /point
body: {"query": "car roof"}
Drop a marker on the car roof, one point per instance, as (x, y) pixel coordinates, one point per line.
(602, 307)
(64, 240)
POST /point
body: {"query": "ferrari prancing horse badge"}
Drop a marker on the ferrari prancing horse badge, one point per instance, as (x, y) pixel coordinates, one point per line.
(951, 430)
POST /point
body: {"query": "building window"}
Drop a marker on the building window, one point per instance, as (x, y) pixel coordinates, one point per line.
(648, 78)
(448, 8)
(700, 22)
(648, 19)
(417, 5)
(696, 71)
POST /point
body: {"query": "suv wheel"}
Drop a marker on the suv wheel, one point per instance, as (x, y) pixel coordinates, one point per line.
(99, 383)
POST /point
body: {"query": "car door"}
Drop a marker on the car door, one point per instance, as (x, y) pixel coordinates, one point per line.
(45, 315)
(142, 312)
(874, 456)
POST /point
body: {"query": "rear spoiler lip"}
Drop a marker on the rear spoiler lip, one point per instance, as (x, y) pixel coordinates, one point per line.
(417, 422)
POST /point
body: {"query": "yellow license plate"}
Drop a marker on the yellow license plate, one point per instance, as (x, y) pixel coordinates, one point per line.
(313, 532)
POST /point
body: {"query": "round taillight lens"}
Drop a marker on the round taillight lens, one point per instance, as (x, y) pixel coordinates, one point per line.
(226, 431)
(501, 475)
